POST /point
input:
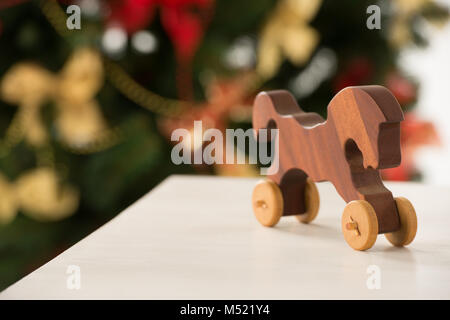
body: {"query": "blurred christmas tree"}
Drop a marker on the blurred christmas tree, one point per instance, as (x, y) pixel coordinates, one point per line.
(86, 115)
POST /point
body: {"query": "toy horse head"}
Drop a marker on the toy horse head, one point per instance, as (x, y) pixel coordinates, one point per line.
(367, 120)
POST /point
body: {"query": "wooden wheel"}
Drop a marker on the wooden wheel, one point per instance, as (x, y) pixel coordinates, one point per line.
(312, 202)
(267, 203)
(408, 224)
(359, 225)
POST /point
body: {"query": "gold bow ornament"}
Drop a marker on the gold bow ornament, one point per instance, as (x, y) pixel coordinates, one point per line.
(287, 34)
(39, 194)
(78, 120)
(404, 13)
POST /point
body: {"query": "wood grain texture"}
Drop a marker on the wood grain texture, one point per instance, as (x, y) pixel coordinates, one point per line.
(360, 136)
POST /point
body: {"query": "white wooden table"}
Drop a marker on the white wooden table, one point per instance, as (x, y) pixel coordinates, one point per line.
(196, 238)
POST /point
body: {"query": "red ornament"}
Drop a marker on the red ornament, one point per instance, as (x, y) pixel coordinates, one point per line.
(184, 21)
(401, 88)
(132, 15)
(357, 72)
(415, 133)
(224, 96)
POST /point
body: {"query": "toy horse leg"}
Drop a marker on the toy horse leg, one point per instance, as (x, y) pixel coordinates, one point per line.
(370, 210)
(385, 209)
(292, 185)
(382, 202)
(285, 194)
(299, 194)
(359, 183)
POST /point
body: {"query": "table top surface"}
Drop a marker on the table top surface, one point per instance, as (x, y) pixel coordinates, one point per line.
(196, 238)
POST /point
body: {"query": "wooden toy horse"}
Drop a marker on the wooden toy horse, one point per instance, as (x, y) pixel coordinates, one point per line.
(360, 136)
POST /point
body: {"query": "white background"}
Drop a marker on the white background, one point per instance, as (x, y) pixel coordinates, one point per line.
(431, 67)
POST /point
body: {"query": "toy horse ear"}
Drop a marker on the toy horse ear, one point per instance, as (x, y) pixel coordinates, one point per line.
(386, 101)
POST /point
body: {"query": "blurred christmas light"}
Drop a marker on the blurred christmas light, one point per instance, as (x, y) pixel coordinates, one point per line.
(241, 54)
(321, 67)
(144, 42)
(89, 8)
(114, 41)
